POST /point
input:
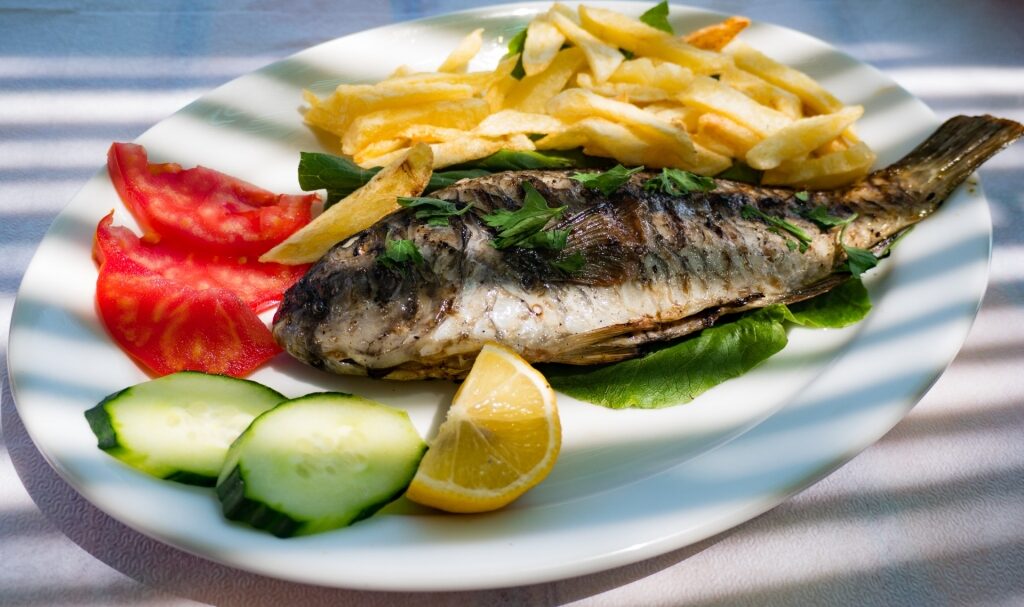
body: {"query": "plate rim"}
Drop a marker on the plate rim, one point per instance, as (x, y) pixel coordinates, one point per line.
(600, 563)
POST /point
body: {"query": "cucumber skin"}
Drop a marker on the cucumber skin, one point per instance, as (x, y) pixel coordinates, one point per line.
(101, 424)
(106, 436)
(236, 506)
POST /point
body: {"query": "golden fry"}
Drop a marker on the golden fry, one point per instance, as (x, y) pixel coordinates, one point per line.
(508, 122)
(803, 86)
(710, 95)
(603, 58)
(459, 58)
(387, 123)
(800, 138)
(543, 41)
(407, 176)
(829, 171)
(645, 41)
(715, 37)
(532, 93)
(729, 137)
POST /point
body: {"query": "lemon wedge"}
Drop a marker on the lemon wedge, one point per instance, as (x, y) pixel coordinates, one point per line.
(501, 437)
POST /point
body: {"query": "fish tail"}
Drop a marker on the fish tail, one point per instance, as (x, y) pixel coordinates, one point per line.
(943, 161)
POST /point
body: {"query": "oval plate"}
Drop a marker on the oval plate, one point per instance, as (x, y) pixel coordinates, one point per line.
(629, 484)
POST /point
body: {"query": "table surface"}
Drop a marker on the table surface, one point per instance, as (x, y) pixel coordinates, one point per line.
(931, 514)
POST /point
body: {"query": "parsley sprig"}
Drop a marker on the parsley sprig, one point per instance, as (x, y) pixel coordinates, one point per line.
(398, 254)
(858, 260)
(607, 182)
(676, 182)
(524, 227)
(779, 225)
(434, 210)
(570, 264)
(657, 17)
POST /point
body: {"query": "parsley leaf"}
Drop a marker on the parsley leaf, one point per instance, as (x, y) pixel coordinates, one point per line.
(780, 225)
(676, 182)
(520, 228)
(803, 196)
(434, 210)
(608, 181)
(570, 264)
(517, 43)
(823, 218)
(552, 240)
(739, 171)
(515, 46)
(858, 260)
(657, 17)
(398, 253)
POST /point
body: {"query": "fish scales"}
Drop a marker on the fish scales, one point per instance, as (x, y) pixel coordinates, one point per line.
(656, 266)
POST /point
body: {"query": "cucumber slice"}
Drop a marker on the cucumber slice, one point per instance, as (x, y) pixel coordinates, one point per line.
(179, 427)
(319, 462)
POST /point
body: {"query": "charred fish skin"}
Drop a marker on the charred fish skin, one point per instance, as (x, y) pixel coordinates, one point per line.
(656, 266)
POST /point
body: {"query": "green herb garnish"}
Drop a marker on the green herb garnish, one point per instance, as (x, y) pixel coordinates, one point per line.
(434, 210)
(823, 218)
(570, 264)
(858, 260)
(524, 227)
(657, 17)
(803, 196)
(398, 253)
(676, 182)
(608, 181)
(515, 46)
(740, 171)
(803, 240)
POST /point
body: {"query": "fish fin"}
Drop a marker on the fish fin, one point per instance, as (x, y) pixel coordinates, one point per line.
(609, 237)
(935, 168)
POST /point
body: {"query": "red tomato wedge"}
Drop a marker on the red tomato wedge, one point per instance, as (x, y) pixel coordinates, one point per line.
(202, 208)
(171, 326)
(259, 285)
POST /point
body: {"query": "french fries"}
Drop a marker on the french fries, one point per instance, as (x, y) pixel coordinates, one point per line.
(543, 40)
(801, 137)
(785, 77)
(716, 37)
(408, 175)
(458, 60)
(828, 171)
(700, 101)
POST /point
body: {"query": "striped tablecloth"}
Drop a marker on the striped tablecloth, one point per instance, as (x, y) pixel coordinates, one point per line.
(933, 514)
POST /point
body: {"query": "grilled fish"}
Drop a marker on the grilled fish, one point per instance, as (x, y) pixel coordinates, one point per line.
(657, 266)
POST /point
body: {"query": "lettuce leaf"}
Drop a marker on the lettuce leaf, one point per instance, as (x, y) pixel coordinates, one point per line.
(680, 372)
(842, 306)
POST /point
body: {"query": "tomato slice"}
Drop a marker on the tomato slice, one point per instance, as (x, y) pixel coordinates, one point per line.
(259, 285)
(203, 208)
(170, 326)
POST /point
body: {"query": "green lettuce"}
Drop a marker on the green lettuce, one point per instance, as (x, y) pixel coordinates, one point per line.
(680, 372)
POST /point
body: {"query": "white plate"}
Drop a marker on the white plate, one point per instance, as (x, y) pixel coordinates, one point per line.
(629, 484)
